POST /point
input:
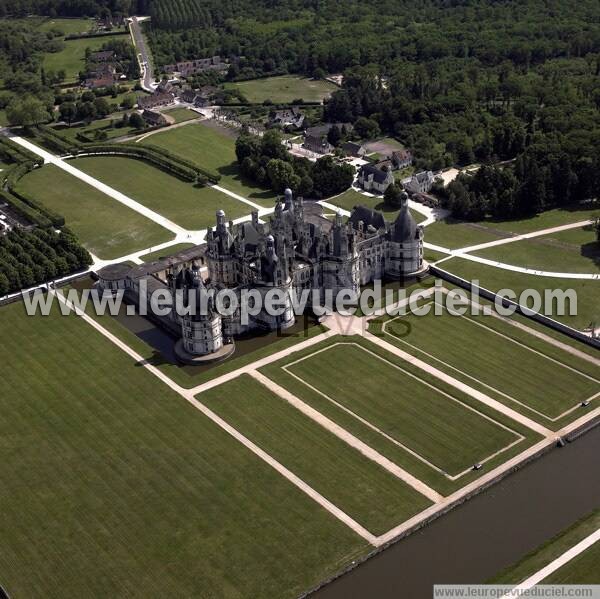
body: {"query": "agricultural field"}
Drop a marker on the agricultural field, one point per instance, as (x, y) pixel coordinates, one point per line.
(351, 198)
(583, 569)
(104, 226)
(494, 279)
(72, 57)
(284, 89)
(213, 148)
(189, 206)
(424, 426)
(107, 474)
(365, 491)
(525, 373)
(573, 250)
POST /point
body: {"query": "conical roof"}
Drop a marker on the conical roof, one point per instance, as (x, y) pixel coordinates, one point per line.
(405, 227)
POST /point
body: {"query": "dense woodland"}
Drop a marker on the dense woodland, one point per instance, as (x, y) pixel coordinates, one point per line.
(456, 81)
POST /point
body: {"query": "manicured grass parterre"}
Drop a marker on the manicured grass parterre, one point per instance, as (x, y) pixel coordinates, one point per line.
(512, 365)
(189, 206)
(213, 148)
(441, 430)
(365, 491)
(574, 250)
(583, 569)
(452, 235)
(72, 57)
(495, 279)
(428, 430)
(114, 485)
(351, 198)
(104, 226)
(285, 88)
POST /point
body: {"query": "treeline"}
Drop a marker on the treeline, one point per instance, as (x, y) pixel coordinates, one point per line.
(67, 8)
(266, 161)
(29, 258)
(538, 181)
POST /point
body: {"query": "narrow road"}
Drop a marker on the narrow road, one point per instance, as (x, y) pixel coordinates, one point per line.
(143, 54)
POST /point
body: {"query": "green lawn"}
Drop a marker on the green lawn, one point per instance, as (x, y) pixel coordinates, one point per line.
(105, 227)
(581, 570)
(365, 491)
(113, 485)
(507, 363)
(495, 279)
(214, 149)
(182, 114)
(431, 424)
(452, 234)
(169, 251)
(285, 88)
(351, 198)
(189, 206)
(72, 57)
(67, 26)
(574, 250)
(439, 429)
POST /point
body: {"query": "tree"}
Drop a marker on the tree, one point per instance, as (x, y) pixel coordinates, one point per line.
(334, 136)
(281, 175)
(102, 107)
(366, 128)
(137, 121)
(27, 112)
(393, 195)
(67, 111)
(596, 226)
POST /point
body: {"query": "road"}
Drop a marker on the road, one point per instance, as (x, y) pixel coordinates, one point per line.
(143, 53)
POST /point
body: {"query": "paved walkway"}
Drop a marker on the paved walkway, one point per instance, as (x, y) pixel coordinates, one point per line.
(188, 395)
(553, 566)
(347, 437)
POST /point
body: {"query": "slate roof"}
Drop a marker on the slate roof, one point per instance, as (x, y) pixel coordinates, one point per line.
(379, 176)
(368, 216)
(404, 227)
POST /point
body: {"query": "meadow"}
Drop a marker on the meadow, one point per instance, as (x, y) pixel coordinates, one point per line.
(283, 89)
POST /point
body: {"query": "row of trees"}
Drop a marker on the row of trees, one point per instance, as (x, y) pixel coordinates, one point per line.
(266, 161)
(28, 258)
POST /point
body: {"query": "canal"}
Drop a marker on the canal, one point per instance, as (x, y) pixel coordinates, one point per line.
(486, 534)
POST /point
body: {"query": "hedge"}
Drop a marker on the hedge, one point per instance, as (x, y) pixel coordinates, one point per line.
(56, 142)
(16, 153)
(212, 176)
(11, 182)
(29, 213)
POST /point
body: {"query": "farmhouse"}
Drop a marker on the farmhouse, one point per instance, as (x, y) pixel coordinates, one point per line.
(287, 117)
(317, 144)
(401, 158)
(155, 118)
(419, 182)
(354, 149)
(156, 99)
(372, 178)
(200, 65)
